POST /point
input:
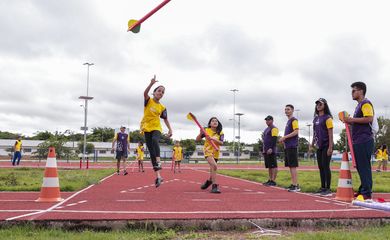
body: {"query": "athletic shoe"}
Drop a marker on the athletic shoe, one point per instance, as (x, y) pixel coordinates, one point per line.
(267, 183)
(378, 170)
(215, 189)
(295, 188)
(326, 193)
(206, 184)
(158, 182)
(290, 187)
(319, 191)
(125, 173)
(356, 194)
(117, 172)
(272, 183)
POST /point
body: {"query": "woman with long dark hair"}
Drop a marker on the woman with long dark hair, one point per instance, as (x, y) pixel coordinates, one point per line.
(323, 139)
(151, 126)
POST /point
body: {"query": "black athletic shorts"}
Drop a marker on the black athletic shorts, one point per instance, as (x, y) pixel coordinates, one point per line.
(290, 157)
(120, 155)
(270, 160)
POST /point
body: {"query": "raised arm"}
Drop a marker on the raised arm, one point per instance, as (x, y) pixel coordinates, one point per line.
(146, 92)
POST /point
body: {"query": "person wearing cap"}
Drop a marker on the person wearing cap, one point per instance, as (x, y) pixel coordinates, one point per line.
(362, 137)
(122, 140)
(17, 151)
(323, 140)
(290, 141)
(270, 137)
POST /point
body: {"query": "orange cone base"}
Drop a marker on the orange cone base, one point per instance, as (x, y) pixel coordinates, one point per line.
(49, 199)
(344, 194)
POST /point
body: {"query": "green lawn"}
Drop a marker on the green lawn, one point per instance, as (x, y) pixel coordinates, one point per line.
(310, 180)
(30, 179)
(30, 232)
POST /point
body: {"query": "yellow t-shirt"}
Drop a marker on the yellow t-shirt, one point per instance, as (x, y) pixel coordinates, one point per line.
(208, 148)
(379, 154)
(178, 153)
(18, 145)
(140, 153)
(153, 111)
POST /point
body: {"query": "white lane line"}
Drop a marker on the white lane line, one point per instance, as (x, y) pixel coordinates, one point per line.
(276, 200)
(341, 204)
(234, 188)
(16, 200)
(27, 210)
(248, 190)
(136, 192)
(322, 201)
(146, 186)
(215, 212)
(253, 193)
(72, 204)
(206, 200)
(225, 186)
(131, 200)
(58, 204)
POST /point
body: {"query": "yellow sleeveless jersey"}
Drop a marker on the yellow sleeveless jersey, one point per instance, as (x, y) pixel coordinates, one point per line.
(18, 145)
(208, 148)
(140, 153)
(153, 111)
(178, 153)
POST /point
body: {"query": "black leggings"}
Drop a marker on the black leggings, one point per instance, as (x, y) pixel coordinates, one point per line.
(323, 161)
(152, 138)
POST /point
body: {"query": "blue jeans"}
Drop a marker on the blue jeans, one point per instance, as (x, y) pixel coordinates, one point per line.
(363, 153)
(17, 155)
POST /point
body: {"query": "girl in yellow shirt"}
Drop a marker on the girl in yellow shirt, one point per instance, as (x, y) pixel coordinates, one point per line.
(151, 126)
(215, 134)
(381, 156)
(177, 155)
(140, 156)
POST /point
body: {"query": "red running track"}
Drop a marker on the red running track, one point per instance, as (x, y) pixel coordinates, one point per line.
(134, 197)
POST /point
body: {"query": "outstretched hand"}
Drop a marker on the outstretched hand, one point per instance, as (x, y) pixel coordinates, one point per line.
(153, 80)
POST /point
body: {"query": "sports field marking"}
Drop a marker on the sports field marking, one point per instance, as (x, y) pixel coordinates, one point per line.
(213, 212)
(26, 210)
(320, 201)
(16, 200)
(58, 204)
(131, 200)
(206, 200)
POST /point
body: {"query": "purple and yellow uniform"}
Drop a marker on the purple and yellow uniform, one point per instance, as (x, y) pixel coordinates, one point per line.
(361, 132)
(292, 124)
(321, 124)
(268, 138)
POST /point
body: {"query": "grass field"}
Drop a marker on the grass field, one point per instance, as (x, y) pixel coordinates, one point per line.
(310, 180)
(30, 232)
(30, 179)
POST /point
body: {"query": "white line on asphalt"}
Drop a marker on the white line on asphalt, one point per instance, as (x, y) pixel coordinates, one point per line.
(206, 200)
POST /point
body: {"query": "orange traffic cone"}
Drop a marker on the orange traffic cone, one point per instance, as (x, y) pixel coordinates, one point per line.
(50, 190)
(344, 189)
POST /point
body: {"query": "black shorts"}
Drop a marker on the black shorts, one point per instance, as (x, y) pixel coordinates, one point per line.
(120, 155)
(291, 157)
(270, 160)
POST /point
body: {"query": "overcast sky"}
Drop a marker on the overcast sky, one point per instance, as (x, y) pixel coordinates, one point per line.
(274, 52)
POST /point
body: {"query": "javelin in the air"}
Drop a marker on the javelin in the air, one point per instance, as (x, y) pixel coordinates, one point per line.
(135, 25)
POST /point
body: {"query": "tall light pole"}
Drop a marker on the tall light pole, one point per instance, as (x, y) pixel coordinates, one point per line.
(239, 136)
(234, 118)
(86, 99)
